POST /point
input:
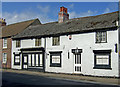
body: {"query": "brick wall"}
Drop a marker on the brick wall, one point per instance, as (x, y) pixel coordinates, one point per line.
(8, 51)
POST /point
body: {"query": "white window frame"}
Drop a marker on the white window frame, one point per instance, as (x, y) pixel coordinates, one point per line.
(18, 42)
(5, 43)
(16, 57)
(4, 60)
(101, 37)
(56, 41)
(39, 43)
(100, 59)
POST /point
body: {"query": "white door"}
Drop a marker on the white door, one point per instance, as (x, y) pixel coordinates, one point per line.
(77, 63)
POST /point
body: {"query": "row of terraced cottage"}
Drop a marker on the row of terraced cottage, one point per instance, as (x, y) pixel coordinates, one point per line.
(86, 45)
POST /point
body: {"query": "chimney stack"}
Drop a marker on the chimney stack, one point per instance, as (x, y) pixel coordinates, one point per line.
(2, 22)
(63, 15)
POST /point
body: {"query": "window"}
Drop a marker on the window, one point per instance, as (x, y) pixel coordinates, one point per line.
(16, 59)
(102, 59)
(18, 43)
(55, 59)
(4, 43)
(101, 37)
(56, 41)
(37, 42)
(4, 57)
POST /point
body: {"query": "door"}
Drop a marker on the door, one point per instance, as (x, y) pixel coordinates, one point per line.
(77, 62)
(25, 61)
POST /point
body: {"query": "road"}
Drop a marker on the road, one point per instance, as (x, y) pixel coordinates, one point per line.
(14, 80)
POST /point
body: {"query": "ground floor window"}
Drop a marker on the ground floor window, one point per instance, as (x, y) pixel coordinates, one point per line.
(16, 59)
(55, 59)
(102, 59)
(4, 58)
(35, 60)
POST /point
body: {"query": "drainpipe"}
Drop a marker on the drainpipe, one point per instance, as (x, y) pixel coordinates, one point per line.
(45, 54)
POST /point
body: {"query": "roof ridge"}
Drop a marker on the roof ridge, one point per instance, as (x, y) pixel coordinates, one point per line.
(23, 21)
(82, 17)
(95, 15)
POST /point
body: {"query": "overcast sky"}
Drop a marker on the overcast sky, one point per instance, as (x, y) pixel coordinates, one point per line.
(48, 11)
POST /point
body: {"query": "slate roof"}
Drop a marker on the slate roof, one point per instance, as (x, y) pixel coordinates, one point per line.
(13, 29)
(83, 24)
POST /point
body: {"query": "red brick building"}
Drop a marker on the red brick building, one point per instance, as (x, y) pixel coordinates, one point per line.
(6, 41)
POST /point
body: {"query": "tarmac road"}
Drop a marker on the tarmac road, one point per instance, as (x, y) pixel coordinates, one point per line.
(10, 79)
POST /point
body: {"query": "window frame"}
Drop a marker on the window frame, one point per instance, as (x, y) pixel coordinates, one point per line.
(4, 62)
(38, 42)
(102, 52)
(101, 38)
(58, 41)
(18, 43)
(4, 46)
(58, 53)
(16, 63)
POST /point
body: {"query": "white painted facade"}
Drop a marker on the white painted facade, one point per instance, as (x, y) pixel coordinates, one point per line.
(27, 43)
(84, 41)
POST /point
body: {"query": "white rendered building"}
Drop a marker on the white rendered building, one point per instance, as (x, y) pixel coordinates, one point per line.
(87, 45)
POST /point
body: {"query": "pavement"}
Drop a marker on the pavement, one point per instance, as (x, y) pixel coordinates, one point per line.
(101, 80)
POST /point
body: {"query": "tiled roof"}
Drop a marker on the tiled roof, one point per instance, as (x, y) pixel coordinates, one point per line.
(13, 29)
(82, 24)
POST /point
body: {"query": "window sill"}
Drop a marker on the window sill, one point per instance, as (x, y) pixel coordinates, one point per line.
(4, 63)
(107, 68)
(4, 47)
(100, 42)
(55, 65)
(16, 63)
(17, 47)
(38, 46)
(55, 45)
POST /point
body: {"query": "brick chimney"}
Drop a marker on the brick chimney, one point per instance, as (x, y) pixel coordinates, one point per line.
(63, 15)
(2, 22)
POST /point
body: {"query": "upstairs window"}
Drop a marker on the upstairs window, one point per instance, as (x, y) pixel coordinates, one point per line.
(18, 43)
(5, 43)
(101, 37)
(37, 42)
(55, 41)
(4, 57)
